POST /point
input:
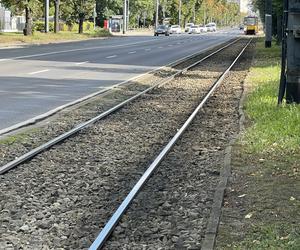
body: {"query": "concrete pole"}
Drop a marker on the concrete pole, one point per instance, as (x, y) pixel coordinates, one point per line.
(179, 13)
(268, 23)
(124, 16)
(46, 16)
(293, 53)
(156, 14)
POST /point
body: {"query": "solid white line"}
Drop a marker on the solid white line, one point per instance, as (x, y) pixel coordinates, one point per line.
(37, 72)
(111, 56)
(81, 63)
(132, 52)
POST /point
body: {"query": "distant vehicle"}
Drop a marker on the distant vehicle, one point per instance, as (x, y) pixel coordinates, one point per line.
(212, 27)
(194, 29)
(175, 29)
(250, 25)
(187, 27)
(202, 28)
(161, 30)
(241, 27)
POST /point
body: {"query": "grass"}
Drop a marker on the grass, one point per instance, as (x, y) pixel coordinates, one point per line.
(266, 165)
(38, 37)
(275, 129)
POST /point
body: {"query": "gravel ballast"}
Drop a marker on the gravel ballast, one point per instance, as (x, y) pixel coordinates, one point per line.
(61, 198)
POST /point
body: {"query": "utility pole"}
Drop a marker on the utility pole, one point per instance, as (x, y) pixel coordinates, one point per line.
(268, 23)
(293, 52)
(179, 13)
(95, 16)
(128, 13)
(156, 14)
(46, 16)
(124, 16)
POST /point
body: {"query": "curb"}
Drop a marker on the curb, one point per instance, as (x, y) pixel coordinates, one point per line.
(215, 215)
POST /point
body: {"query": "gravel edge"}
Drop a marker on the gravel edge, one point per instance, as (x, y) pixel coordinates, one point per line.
(225, 173)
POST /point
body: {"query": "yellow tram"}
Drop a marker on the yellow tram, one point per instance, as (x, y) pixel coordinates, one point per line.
(250, 25)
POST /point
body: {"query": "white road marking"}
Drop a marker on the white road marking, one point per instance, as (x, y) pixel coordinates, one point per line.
(160, 47)
(132, 52)
(74, 50)
(80, 63)
(111, 56)
(170, 45)
(147, 49)
(38, 72)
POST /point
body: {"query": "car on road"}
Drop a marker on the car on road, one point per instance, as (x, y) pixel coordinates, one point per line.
(162, 30)
(203, 28)
(175, 29)
(188, 26)
(194, 29)
(212, 27)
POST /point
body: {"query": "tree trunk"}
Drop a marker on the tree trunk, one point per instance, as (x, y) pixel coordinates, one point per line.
(81, 19)
(56, 16)
(28, 24)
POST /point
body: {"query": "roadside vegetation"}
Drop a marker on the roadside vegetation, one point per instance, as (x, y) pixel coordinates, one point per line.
(265, 192)
(39, 37)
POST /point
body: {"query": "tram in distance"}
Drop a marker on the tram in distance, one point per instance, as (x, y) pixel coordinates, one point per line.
(250, 25)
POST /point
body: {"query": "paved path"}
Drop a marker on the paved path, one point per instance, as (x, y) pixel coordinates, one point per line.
(36, 79)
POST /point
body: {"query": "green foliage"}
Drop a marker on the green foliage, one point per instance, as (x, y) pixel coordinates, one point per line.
(276, 128)
(40, 26)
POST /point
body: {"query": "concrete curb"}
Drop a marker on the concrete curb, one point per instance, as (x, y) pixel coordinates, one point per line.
(225, 173)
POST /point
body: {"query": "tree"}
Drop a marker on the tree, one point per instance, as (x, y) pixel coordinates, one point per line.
(56, 16)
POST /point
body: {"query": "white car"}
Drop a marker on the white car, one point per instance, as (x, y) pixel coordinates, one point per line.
(202, 28)
(195, 29)
(211, 27)
(188, 26)
(175, 29)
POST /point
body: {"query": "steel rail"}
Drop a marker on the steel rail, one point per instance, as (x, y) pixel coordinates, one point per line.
(29, 155)
(113, 221)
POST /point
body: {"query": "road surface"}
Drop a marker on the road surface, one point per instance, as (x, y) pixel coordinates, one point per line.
(37, 79)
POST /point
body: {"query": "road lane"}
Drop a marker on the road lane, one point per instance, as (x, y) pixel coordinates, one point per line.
(34, 85)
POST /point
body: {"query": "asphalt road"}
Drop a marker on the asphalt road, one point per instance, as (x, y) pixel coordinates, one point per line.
(36, 79)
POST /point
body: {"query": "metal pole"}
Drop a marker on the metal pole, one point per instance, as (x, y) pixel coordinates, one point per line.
(268, 23)
(95, 16)
(128, 13)
(179, 13)
(46, 16)
(156, 14)
(124, 16)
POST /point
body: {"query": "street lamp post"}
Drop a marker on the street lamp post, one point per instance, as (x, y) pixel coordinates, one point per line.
(179, 13)
(46, 16)
(124, 16)
(156, 15)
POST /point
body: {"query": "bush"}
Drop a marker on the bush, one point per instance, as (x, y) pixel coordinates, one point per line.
(40, 26)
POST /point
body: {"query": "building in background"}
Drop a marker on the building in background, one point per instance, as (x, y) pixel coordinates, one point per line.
(9, 23)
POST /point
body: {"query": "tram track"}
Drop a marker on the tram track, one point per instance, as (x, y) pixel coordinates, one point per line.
(193, 60)
(80, 172)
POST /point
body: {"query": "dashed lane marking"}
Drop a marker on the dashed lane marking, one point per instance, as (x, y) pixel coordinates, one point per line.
(38, 72)
(111, 56)
(80, 63)
(132, 52)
